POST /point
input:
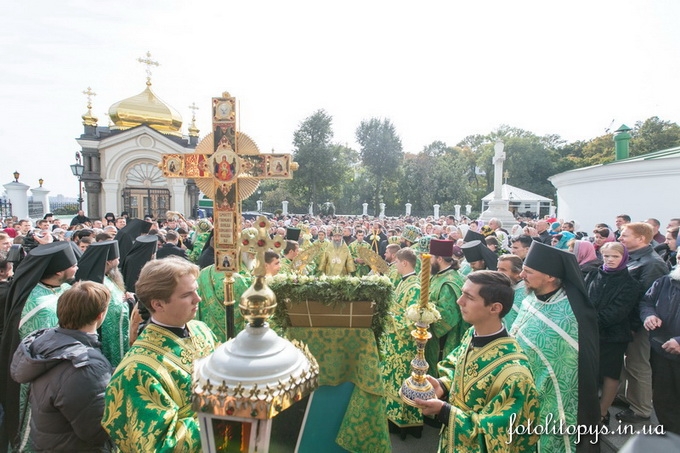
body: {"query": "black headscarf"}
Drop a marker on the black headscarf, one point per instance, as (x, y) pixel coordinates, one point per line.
(142, 252)
(92, 265)
(563, 265)
(43, 260)
(127, 235)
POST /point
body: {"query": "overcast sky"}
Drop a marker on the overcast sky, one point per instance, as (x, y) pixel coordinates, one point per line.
(439, 70)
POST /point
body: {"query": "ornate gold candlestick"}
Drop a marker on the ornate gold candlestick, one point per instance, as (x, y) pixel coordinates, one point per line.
(423, 314)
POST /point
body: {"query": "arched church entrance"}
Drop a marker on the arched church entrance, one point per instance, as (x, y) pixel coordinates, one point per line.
(145, 192)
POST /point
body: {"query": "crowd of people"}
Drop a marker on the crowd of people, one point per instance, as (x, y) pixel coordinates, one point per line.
(544, 324)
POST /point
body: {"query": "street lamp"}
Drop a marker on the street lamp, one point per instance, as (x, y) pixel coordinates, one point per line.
(16, 175)
(77, 170)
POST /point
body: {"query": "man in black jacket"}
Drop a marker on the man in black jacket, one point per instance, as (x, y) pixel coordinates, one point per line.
(170, 247)
(645, 266)
(659, 311)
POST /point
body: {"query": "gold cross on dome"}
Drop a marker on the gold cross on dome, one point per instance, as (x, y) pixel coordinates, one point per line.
(193, 107)
(89, 93)
(148, 62)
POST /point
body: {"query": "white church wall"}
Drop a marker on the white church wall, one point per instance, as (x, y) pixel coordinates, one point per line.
(121, 152)
(639, 188)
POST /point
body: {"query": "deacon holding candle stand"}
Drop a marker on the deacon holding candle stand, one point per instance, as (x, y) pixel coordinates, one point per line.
(445, 286)
(486, 396)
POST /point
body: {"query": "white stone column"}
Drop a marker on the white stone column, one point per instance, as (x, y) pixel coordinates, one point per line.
(436, 211)
(311, 208)
(468, 209)
(178, 189)
(408, 208)
(365, 207)
(111, 200)
(284, 208)
(456, 207)
(40, 195)
(17, 195)
(382, 210)
(259, 205)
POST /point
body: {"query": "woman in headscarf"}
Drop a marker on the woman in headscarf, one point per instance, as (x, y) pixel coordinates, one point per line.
(602, 235)
(585, 255)
(614, 294)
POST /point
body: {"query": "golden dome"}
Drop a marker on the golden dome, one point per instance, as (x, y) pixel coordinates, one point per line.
(146, 108)
(89, 119)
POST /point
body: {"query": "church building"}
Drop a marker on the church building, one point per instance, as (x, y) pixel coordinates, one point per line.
(121, 160)
(640, 186)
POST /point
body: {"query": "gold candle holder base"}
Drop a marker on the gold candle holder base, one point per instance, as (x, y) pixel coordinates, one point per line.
(417, 386)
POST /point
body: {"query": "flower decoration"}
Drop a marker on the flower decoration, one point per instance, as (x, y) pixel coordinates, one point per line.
(420, 314)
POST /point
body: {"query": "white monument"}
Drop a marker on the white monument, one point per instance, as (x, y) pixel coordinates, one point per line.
(408, 208)
(498, 208)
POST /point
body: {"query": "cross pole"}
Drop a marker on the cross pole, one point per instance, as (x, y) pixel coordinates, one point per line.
(227, 167)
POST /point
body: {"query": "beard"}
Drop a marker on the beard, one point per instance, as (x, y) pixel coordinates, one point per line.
(337, 244)
(247, 261)
(435, 268)
(116, 277)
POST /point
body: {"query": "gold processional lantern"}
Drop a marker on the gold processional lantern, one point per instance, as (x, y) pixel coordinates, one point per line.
(249, 380)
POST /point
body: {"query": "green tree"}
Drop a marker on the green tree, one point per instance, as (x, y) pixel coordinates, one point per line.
(320, 168)
(653, 134)
(381, 153)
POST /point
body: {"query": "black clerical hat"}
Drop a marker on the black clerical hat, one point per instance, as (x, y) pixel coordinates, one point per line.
(142, 252)
(92, 265)
(473, 236)
(478, 251)
(59, 256)
(127, 235)
(555, 262)
(292, 234)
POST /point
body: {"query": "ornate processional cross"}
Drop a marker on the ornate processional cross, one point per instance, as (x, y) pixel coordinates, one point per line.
(228, 167)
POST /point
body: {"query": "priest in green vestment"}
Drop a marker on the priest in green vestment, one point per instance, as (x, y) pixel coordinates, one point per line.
(288, 255)
(148, 401)
(390, 257)
(399, 346)
(557, 328)
(486, 396)
(38, 282)
(511, 265)
(99, 263)
(362, 268)
(211, 309)
(445, 288)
